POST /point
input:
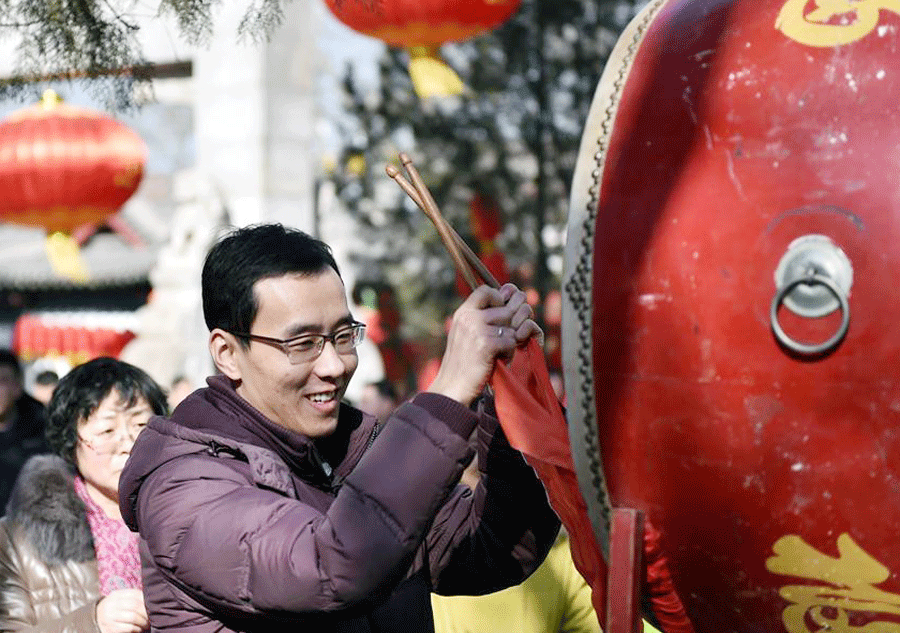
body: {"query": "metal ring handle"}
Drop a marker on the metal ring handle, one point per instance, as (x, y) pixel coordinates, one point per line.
(811, 279)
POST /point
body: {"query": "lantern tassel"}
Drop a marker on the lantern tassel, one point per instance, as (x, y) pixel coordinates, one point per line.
(431, 76)
(65, 257)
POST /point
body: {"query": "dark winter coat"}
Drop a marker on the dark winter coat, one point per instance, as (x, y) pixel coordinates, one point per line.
(24, 439)
(48, 567)
(246, 526)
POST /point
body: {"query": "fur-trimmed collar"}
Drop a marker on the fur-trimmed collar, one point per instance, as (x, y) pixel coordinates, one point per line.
(44, 506)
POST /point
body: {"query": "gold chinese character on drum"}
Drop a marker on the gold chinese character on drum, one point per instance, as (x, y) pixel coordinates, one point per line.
(847, 588)
(831, 22)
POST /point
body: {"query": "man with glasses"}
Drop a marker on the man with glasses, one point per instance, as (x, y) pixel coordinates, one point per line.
(265, 503)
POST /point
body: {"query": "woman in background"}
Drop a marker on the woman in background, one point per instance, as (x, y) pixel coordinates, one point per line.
(68, 563)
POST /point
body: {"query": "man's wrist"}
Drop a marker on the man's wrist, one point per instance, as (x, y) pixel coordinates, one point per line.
(449, 390)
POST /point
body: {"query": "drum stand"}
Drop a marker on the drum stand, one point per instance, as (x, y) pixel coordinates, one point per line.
(625, 572)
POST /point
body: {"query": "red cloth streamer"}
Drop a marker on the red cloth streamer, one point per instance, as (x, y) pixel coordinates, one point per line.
(667, 606)
(535, 425)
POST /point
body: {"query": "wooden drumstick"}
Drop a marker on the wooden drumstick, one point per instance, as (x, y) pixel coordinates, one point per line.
(394, 173)
(486, 275)
(438, 219)
(429, 206)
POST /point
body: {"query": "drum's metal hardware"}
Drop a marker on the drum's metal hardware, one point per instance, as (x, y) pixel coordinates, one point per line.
(813, 280)
(825, 258)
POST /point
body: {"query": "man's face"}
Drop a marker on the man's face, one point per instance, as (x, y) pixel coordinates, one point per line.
(305, 397)
(10, 389)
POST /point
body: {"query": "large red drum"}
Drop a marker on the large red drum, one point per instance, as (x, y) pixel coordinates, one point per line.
(731, 308)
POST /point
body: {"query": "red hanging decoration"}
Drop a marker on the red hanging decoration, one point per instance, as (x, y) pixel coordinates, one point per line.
(421, 26)
(63, 166)
(422, 22)
(77, 337)
(66, 169)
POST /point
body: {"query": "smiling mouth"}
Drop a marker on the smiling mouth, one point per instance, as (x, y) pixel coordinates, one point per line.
(323, 398)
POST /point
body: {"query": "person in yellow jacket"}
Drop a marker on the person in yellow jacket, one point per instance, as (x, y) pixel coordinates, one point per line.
(554, 599)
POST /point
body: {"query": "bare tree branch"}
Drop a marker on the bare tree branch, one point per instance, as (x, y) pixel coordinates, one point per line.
(97, 39)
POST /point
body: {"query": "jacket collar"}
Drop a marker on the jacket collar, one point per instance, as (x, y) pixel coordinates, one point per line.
(238, 428)
(217, 421)
(43, 504)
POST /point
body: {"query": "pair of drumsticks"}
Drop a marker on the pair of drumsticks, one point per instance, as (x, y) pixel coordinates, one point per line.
(463, 256)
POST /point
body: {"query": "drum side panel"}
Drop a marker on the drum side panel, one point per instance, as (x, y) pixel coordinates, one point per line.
(577, 313)
(733, 139)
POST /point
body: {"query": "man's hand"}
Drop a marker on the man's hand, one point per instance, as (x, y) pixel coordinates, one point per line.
(522, 320)
(122, 611)
(488, 325)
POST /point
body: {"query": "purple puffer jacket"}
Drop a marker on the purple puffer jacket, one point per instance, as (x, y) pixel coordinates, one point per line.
(246, 526)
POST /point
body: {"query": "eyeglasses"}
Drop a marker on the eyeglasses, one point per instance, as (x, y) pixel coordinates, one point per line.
(109, 439)
(307, 347)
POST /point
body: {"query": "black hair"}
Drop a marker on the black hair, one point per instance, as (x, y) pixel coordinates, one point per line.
(81, 391)
(46, 377)
(250, 254)
(9, 359)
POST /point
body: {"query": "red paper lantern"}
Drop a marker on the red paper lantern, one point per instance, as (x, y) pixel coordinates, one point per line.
(409, 23)
(64, 166)
(423, 25)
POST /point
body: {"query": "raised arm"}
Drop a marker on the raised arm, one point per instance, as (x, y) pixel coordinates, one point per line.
(231, 544)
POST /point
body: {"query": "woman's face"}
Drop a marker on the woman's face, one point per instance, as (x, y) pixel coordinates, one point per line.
(105, 439)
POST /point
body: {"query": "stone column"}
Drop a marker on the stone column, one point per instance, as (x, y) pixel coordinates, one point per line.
(255, 117)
